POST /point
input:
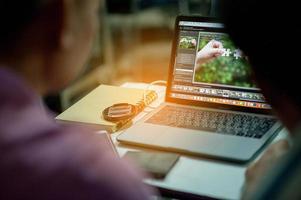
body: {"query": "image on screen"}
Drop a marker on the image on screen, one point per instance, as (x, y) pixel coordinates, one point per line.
(187, 42)
(218, 61)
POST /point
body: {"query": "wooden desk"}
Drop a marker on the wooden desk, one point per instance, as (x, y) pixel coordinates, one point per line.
(197, 176)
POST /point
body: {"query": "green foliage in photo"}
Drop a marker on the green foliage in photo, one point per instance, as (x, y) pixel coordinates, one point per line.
(224, 70)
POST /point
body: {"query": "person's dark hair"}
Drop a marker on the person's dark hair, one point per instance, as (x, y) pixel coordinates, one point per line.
(15, 15)
(269, 33)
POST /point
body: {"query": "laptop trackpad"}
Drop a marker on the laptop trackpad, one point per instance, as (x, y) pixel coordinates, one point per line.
(191, 141)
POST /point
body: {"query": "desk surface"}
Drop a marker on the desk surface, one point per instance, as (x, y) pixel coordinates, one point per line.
(195, 175)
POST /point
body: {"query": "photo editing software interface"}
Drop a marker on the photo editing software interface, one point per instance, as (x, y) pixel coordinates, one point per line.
(210, 69)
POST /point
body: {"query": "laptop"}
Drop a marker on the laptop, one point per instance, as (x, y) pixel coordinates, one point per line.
(212, 106)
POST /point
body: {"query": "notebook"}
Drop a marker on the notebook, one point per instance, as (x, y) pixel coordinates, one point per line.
(89, 109)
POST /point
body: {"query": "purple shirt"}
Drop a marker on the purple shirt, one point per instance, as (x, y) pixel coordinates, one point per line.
(40, 159)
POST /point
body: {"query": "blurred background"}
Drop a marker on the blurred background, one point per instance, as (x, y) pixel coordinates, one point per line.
(133, 44)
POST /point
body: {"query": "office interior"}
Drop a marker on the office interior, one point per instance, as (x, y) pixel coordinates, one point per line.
(133, 45)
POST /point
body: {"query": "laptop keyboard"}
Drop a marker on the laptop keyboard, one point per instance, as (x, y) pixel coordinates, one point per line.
(213, 121)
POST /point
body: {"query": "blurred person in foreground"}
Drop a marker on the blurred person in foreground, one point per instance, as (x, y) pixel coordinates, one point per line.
(269, 34)
(43, 46)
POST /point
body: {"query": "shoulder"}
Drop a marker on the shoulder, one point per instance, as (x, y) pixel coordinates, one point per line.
(283, 181)
(70, 163)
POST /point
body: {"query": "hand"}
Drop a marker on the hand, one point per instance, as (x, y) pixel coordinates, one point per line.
(212, 50)
(257, 170)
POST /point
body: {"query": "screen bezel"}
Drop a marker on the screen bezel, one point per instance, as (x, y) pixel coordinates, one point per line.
(171, 71)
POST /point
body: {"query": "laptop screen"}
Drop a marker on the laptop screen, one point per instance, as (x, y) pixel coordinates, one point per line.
(209, 68)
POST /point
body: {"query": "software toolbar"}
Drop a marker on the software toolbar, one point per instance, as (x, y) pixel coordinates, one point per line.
(221, 101)
(219, 93)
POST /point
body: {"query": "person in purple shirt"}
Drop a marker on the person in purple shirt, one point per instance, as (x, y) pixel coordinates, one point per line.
(43, 46)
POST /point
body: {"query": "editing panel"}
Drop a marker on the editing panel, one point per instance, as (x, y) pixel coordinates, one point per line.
(209, 68)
